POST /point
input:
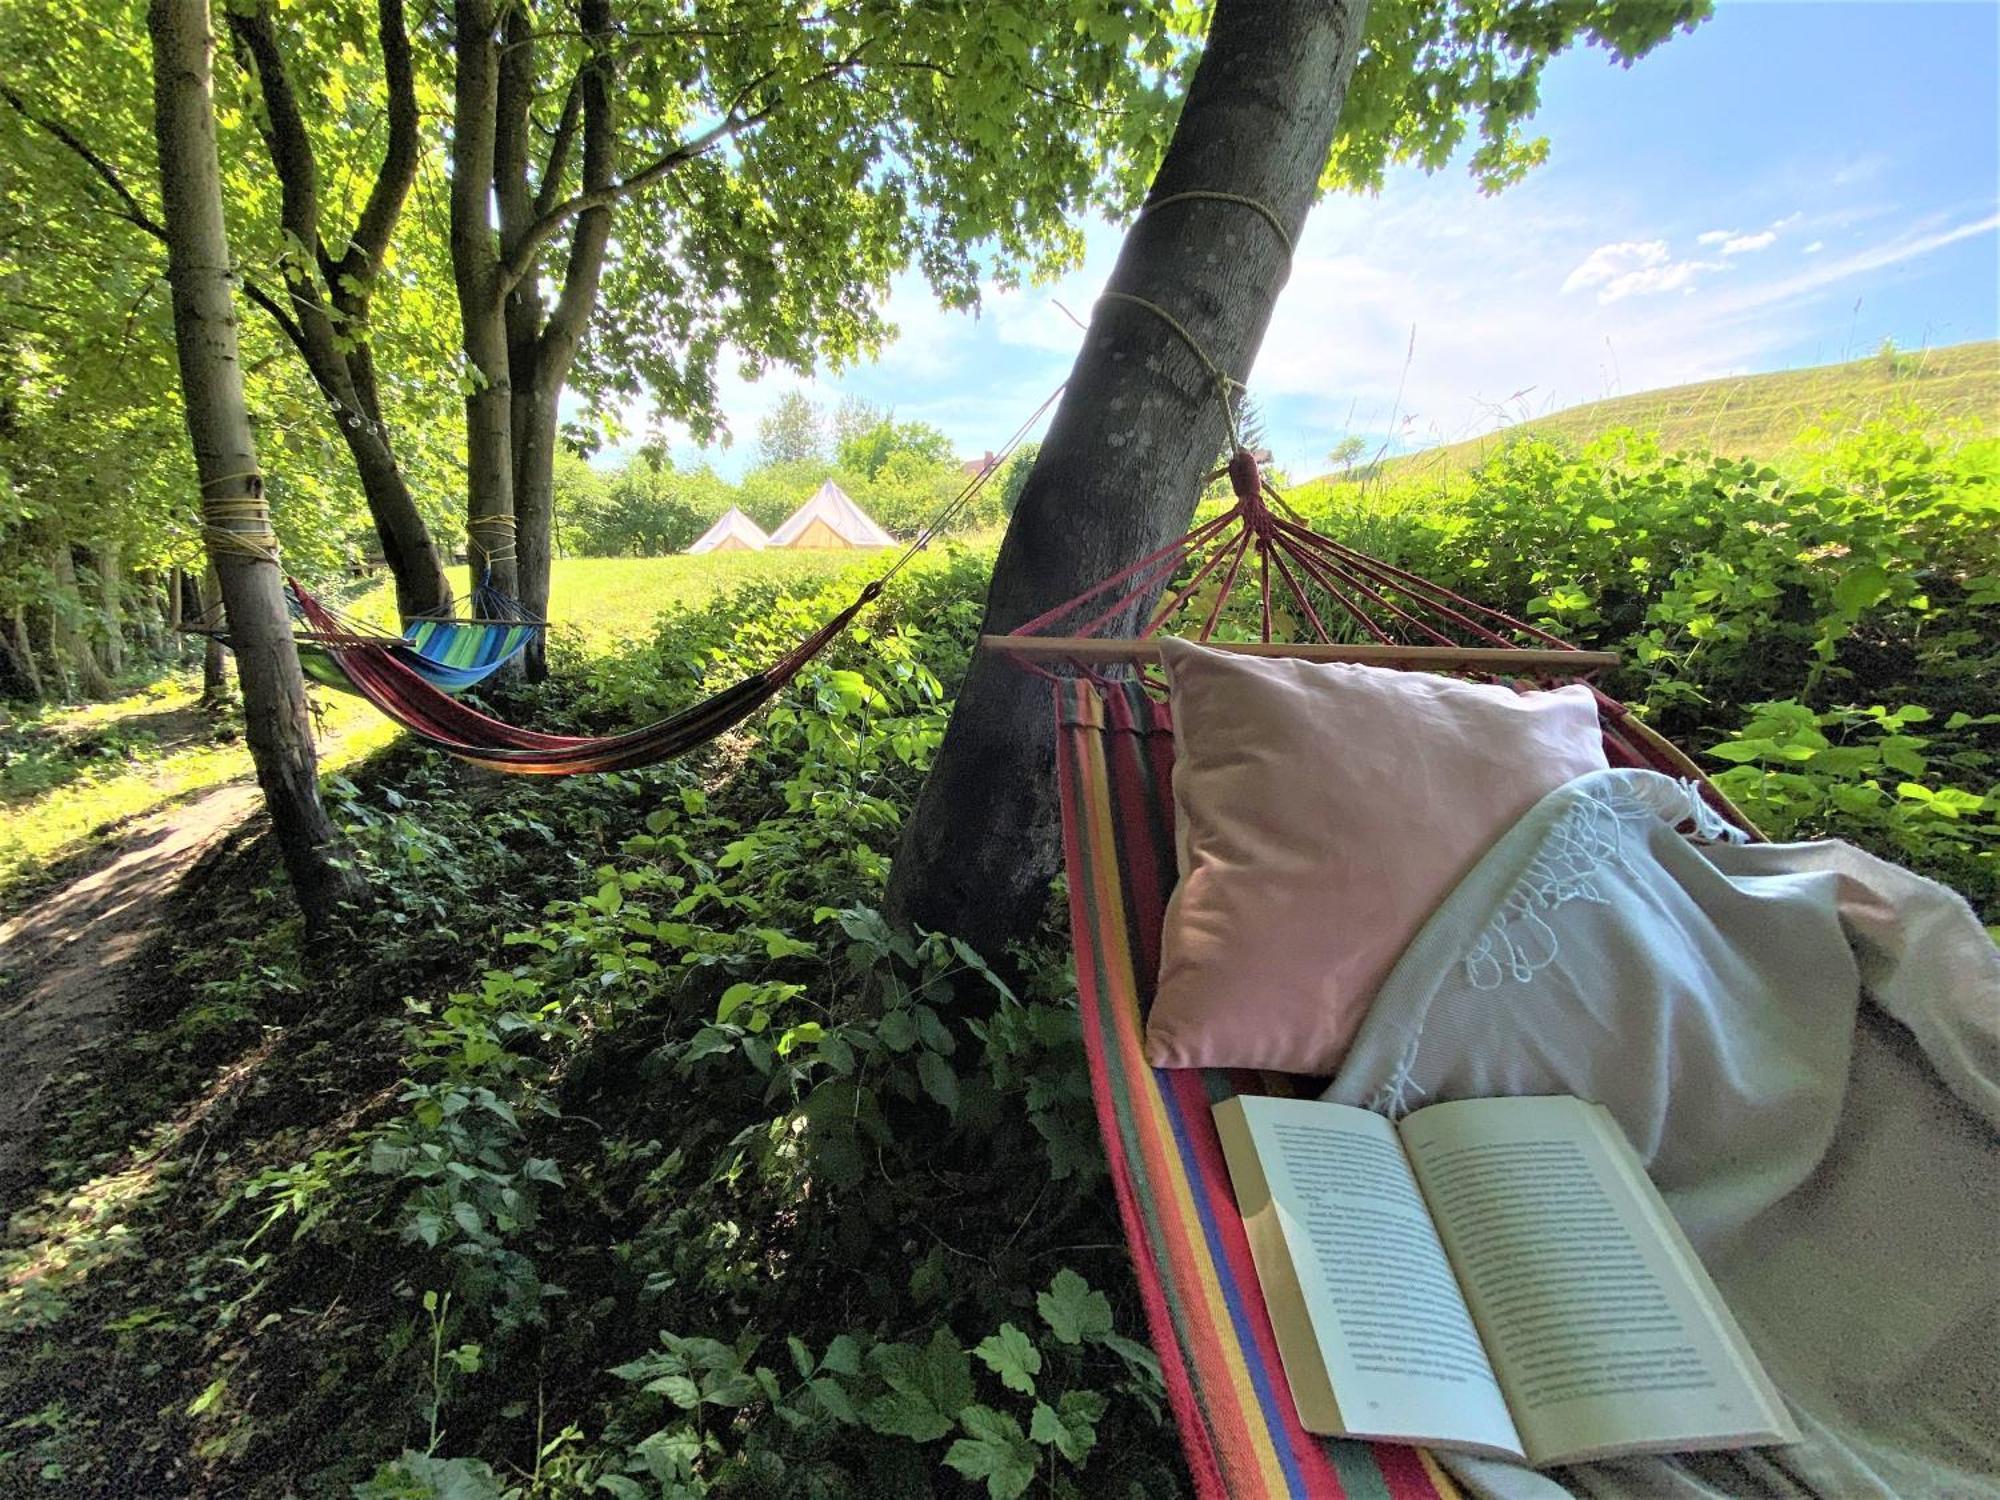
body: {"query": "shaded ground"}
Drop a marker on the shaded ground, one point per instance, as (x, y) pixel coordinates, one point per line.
(64, 962)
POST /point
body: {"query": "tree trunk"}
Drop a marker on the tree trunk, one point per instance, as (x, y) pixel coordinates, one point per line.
(422, 586)
(198, 272)
(534, 511)
(214, 660)
(107, 583)
(542, 341)
(475, 262)
(19, 677)
(69, 638)
(329, 296)
(38, 630)
(1140, 424)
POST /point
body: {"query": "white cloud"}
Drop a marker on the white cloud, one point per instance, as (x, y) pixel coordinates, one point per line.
(1608, 263)
(1636, 268)
(1814, 248)
(1743, 244)
(1714, 236)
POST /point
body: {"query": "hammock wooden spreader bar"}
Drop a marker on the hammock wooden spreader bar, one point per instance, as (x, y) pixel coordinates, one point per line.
(1093, 650)
(1352, 606)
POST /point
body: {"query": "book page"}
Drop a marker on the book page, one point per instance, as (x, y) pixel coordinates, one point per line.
(1606, 1332)
(1385, 1311)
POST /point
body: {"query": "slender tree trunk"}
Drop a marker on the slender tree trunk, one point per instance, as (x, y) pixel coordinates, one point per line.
(542, 341)
(21, 678)
(215, 692)
(108, 586)
(534, 510)
(68, 635)
(38, 629)
(198, 271)
(1119, 473)
(422, 586)
(326, 316)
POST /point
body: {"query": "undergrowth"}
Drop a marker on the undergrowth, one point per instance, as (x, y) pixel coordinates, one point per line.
(625, 1149)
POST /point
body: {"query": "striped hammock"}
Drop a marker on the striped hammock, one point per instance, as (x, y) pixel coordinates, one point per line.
(452, 655)
(1114, 762)
(379, 671)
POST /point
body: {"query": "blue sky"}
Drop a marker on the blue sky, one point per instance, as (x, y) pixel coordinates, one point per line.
(1788, 185)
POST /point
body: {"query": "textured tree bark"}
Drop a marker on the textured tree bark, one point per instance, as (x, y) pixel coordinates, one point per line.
(108, 585)
(1120, 471)
(218, 420)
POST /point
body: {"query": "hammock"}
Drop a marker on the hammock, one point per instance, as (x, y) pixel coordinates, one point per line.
(450, 654)
(402, 693)
(409, 683)
(1114, 764)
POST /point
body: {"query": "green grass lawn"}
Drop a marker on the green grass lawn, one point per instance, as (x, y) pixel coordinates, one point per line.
(1762, 416)
(608, 598)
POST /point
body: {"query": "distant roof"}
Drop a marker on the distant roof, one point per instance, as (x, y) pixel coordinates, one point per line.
(731, 525)
(830, 505)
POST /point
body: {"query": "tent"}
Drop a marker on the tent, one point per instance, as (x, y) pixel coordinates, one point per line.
(732, 532)
(830, 519)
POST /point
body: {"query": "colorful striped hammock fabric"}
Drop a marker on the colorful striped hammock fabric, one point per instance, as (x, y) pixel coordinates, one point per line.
(451, 655)
(1206, 1315)
(379, 674)
(1115, 757)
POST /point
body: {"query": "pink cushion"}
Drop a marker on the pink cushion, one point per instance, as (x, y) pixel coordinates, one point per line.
(1324, 811)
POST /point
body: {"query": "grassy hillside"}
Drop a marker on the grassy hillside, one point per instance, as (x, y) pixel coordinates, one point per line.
(1761, 416)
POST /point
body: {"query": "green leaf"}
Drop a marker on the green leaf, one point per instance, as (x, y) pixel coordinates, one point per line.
(209, 1397)
(833, 1398)
(1071, 1426)
(1072, 1310)
(939, 1081)
(898, 1030)
(1861, 588)
(733, 999)
(843, 1355)
(1012, 1355)
(900, 1414)
(679, 1389)
(994, 1450)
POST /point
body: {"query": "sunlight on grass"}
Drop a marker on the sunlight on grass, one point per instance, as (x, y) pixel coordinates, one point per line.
(609, 598)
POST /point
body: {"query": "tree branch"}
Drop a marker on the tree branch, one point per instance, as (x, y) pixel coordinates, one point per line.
(557, 161)
(398, 172)
(592, 232)
(285, 137)
(132, 212)
(537, 234)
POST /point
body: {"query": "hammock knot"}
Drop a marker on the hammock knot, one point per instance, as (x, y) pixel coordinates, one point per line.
(1247, 480)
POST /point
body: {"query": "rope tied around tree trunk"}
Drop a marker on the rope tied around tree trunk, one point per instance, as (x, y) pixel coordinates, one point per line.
(499, 543)
(1226, 385)
(238, 525)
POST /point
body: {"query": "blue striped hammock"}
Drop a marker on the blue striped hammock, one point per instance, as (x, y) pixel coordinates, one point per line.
(452, 655)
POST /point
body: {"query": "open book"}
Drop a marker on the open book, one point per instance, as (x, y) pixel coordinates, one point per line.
(1493, 1275)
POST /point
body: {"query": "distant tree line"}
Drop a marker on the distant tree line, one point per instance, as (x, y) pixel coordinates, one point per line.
(901, 473)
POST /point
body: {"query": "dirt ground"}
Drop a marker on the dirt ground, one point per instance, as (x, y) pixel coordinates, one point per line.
(65, 961)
